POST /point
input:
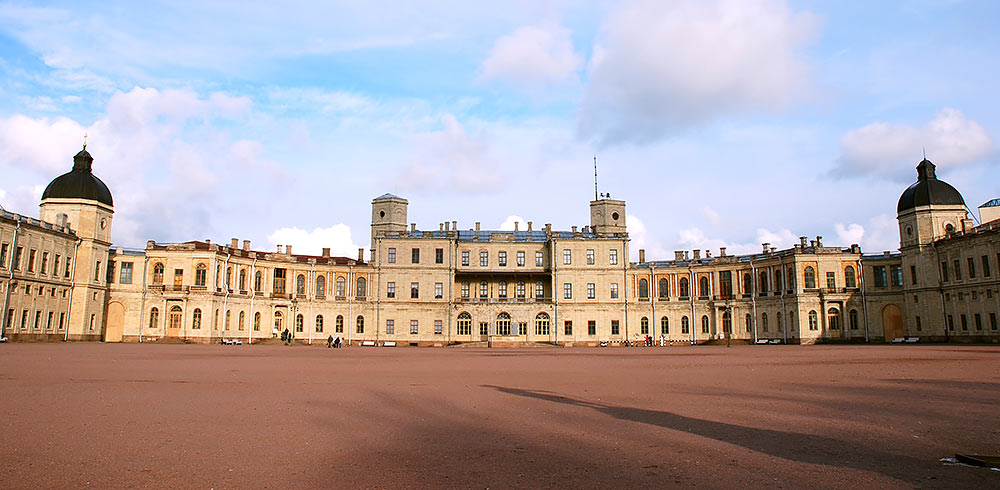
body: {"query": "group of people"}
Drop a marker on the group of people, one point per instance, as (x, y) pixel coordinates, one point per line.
(335, 342)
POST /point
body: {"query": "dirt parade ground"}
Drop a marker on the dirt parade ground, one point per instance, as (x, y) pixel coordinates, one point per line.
(270, 416)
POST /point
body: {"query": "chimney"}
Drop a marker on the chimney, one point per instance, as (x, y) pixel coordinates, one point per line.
(886, 253)
(150, 244)
(765, 246)
(234, 243)
(446, 226)
(208, 241)
(586, 229)
(687, 255)
(697, 254)
(722, 251)
(529, 226)
(326, 252)
(812, 243)
(642, 256)
(855, 248)
(802, 241)
(413, 227)
(441, 227)
(516, 226)
(246, 244)
(477, 226)
(454, 225)
(288, 249)
(279, 249)
(819, 241)
(708, 253)
(361, 255)
(678, 255)
(574, 230)
(774, 249)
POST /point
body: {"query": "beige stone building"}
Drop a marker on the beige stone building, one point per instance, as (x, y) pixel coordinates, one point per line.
(62, 279)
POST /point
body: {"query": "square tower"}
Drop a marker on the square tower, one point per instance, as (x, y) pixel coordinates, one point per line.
(388, 217)
(607, 216)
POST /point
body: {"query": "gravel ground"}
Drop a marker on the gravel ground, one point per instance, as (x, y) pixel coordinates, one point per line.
(195, 416)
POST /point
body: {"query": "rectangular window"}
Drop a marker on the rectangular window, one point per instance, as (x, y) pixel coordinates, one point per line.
(897, 274)
(45, 263)
(97, 271)
(591, 290)
(17, 258)
(24, 319)
(414, 327)
(502, 259)
(539, 290)
(831, 280)
(591, 328)
(438, 327)
(951, 323)
(614, 290)
(522, 328)
(538, 259)
(880, 279)
(48, 324)
(725, 284)
(69, 263)
(919, 327)
(126, 273)
(279, 281)
(465, 290)
(55, 265)
(438, 255)
(3, 254)
(111, 272)
(567, 257)
(965, 322)
(484, 259)
(414, 290)
(415, 256)
(972, 268)
(31, 261)
(614, 327)
(568, 327)
(502, 289)
(390, 326)
(465, 257)
(993, 320)
(484, 289)
(567, 291)
(958, 269)
(520, 258)
(390, 290)
(62, 319)
(484, 328)
(438, 290)
(978, 318)
(986, 266)
(38, 318)
(613, 257)
(392, 256)
(590, 257)
(913, 275)
(944, 271)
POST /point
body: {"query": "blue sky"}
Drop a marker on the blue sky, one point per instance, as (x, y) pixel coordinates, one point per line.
(720, 122)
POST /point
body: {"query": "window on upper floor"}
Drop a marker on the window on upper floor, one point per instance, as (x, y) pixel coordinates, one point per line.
(590, 257)
(484, 258)
(850, 279)
(538, 259)
(567, 291)
(415, 256)
(614, 290)
(438, 255)
(831, 280)
(465, 257)
(300, 285)
(591, 290)
(703, 290)
(391, 255)
(502, 259)
(125, 276)
(390, 289)
(465, 289)
(643, 288)
(200, 272)
(986, 266)
(896, 271)
(683, 287)
(539, 290)
(341, 286)
(972, 267)
(880, 277)
(520, 258)
(958, 269)
(414, 290)
(567, 257)
(613, 257)
(438, 290)
(484, 289)
(361, 287)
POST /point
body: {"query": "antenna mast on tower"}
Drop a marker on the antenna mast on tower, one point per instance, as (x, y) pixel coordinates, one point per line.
(595, 177)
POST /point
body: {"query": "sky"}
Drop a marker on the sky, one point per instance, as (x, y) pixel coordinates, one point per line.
(721, 123)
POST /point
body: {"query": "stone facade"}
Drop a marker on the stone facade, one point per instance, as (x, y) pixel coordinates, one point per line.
(448, 286)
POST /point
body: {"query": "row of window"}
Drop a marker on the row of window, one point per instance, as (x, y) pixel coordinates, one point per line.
(964, 319)
(175, 321)
(765, 281)
(38, 321)
(201, 270)
(42, 261)
(484, 258)
(970, 268)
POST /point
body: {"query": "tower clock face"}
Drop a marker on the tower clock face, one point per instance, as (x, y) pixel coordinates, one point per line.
(104, 223)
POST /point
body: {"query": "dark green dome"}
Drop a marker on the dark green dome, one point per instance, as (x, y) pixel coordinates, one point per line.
(928, 190)
(79, 183)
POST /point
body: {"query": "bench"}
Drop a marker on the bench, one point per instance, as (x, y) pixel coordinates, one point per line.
(912, 340)
(898, 340)
(389, 344)
(762, 341)
(775, 341)
(368, 343)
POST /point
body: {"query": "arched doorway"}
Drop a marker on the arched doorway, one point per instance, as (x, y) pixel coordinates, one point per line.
(278, 323)
(115, 322)
(892, 322)
(174, 321)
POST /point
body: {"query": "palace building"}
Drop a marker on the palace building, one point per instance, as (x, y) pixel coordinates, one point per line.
(62, 279)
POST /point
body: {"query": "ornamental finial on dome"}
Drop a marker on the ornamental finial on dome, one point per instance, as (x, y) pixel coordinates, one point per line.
(925, 170)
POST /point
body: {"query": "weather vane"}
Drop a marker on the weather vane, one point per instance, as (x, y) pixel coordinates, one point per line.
(84, 141)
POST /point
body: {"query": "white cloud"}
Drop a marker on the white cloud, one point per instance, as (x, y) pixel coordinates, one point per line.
(45, 144)
(641, 238)
(22, 199)
(850, 234)
(337, 238)
(508, 224)
(695, 238)
(533, 56)
(711, 215)
(658, 67)
(892, 150)
(450, 159)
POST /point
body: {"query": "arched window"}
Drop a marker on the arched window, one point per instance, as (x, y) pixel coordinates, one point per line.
(643, 288)
(218, 276)
(780, 325)
(520, 289)
(154, 317)
(683, 287)
(790, 283)
(240, 324)
(777, 281)
(361, 288)
(339, 324)
(542, 324)
(833, 318)
(853, 319)
(319, 323)
(300, 285)
(243, 279)
(747, 283)
(340, 286)
(320, 285)
(215, 320)
(704, 324)
(258, 281)
(664, 326)
(360, 324)
(227, 319)
(685, 325)
(727, 322)
(748, 323)
(763, 321)
(539, 290)
(229, 277)
(850, 280)
(703, 287)
(299, 321)
(644, 325)
(484, 288)
(158, 273)
(503, 324)
(199, 275)
(464, 324)
(791, 320)
(196, 319)
(763, 281)
(175, 317)
(664, 288)
(256, 322)
(810, 277)
(813, 322)
(502, 289)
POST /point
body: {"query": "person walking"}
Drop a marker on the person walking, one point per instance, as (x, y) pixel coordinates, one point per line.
(329, 341)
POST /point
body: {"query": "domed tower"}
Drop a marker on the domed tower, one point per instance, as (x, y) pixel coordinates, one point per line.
(84, 203)
(929, 209)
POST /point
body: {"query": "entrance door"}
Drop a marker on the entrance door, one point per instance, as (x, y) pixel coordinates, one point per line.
(892, 322)
(116, 322)
(174, 321)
